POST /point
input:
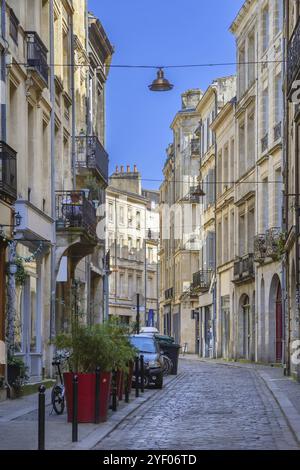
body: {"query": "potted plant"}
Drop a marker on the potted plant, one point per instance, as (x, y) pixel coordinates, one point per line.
(89, 347)
(16, 374)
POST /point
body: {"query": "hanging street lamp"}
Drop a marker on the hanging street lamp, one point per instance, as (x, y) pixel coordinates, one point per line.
(160, 83)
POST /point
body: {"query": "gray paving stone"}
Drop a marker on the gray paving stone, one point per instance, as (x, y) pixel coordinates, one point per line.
(209, 407)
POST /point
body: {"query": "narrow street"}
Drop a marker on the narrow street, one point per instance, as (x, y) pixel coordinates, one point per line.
(207, 406)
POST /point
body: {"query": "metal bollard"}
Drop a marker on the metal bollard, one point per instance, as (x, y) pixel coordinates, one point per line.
(136, 373)
(114, 391)
(142, 373)
(75, 409)
(97, 395)
(41, 424)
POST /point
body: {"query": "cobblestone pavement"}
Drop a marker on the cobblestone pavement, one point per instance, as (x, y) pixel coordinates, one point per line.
(209, 406)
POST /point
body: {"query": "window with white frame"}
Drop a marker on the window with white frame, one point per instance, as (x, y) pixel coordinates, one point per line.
(278, 98)
(278, 16)
(265, 28)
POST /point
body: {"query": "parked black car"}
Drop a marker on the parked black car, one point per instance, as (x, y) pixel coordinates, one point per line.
(148, 346)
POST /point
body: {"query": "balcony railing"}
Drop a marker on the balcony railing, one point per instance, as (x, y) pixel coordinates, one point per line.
(74, 210)
(243, 269)
(37, 54)
(277, 131)
(202, 280)
(293, 56)
(8, 172)
(264, 143)
(273, 237)
(169, 293)
(91, 154)
(260, 248)
(195, 147)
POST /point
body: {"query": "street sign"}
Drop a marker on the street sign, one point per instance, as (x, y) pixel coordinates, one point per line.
(142, 309)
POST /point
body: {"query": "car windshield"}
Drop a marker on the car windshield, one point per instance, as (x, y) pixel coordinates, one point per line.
(143, 344)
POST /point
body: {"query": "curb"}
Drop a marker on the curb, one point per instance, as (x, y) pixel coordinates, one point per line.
(96, 436)
(288, 410)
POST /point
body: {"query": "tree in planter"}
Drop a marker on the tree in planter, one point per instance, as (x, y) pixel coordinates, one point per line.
(102, 345)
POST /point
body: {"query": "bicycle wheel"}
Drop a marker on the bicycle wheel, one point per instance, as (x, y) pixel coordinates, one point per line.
(58, 400)
(167, 367)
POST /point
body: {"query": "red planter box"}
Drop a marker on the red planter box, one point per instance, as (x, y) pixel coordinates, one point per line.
(86, 396)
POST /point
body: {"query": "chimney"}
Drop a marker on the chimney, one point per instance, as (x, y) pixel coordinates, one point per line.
(128, 168)
(117, 169)
(135, 169)
(122, 168)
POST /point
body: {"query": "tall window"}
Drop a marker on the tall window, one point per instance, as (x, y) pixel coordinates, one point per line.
(138, 220)
(225, 167)
(130, 286)
(231, 176)
(122, 284)
(242, 70)
(242, 234)
(265, 29)
(110, 212)
(122, 214)
(278, 198)
(219, 173)
(265, 204)
(242, 154)
(278, 97)
(251, 59)
(278, 16)
(265, 112)
(251, 231)
(251, 140)
(225, 240)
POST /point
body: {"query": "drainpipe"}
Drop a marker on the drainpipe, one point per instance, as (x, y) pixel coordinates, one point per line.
(52, 161)
(3, 74)
(284, 223)
(73, 149)
(215, 244)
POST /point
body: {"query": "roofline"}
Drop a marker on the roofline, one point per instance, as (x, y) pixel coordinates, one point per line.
(241, 13)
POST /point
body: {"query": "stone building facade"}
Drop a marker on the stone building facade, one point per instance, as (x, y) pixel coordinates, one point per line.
(133, 242)
(55, 59)
(292, 184)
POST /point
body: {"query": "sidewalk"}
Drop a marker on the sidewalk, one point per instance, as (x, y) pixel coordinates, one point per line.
(19, 423)
(285, 390)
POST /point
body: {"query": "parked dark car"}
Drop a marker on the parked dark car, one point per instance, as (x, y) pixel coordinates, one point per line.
(148, 346)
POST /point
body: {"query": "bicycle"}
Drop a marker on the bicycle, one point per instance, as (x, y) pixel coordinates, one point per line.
(167, 364)
(58, 391)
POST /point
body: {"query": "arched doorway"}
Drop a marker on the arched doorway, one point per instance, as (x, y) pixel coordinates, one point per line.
(279, 324)
(245, 327)
(261, 334)
(275, 346)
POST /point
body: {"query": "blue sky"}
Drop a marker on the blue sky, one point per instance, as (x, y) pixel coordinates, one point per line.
(158, 33)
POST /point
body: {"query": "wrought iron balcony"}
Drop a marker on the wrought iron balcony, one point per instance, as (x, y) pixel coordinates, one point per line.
(264, 143)
(277, 131)
(169, 293)
(91, 154)
(260, 248)
(202, 280)
(75, 211)
(8, 172)
(243, 269)
(37, 55)
(273, 239)
(293, 56)
(195, 147)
